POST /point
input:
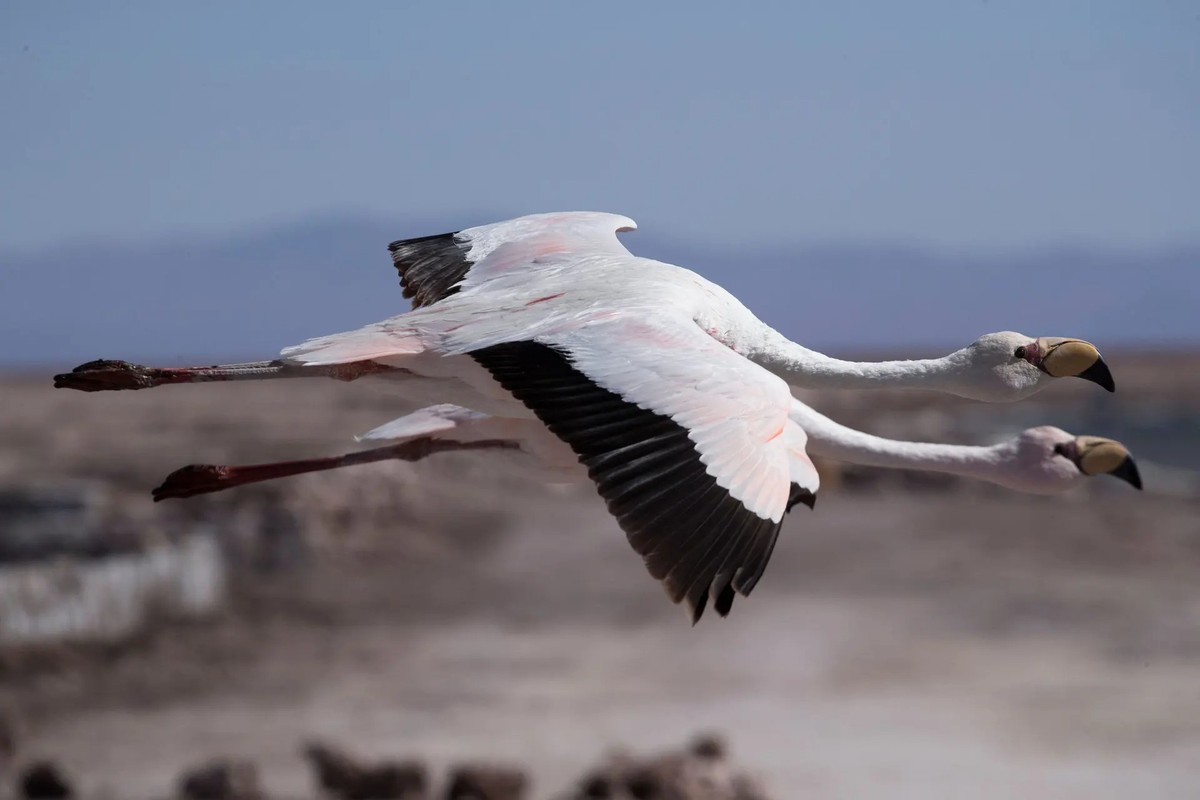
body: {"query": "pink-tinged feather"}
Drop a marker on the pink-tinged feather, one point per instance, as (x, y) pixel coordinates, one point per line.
(360, 345)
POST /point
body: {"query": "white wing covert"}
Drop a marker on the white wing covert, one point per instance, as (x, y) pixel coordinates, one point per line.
(432, 268)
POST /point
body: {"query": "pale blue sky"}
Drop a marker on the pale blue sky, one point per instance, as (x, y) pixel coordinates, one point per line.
(958, 123)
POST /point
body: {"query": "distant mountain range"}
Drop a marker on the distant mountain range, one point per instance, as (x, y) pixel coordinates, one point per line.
(247, 295)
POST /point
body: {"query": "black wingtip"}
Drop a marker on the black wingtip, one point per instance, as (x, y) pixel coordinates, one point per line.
(802, 496)
(724, 602)
(1099, 374)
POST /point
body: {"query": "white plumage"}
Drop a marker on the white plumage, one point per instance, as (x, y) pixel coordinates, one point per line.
(545, 334)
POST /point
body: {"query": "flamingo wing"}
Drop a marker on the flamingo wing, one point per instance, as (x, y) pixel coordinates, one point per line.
(432, 268)
(688, 443)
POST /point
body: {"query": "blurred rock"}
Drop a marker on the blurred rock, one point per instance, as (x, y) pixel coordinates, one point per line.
(701, 772)
(709, 746)
(341, 775)
(221, 779)
(109, 599)
(8, 742)
(486, 782)
(44, 780)
(42, 521)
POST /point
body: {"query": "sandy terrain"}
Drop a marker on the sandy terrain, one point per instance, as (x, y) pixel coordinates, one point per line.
(965, 643)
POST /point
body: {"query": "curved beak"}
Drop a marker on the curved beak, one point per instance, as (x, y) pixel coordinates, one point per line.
(1062, 358)
(1127, 471)
(1098, 456)
(1099, 373)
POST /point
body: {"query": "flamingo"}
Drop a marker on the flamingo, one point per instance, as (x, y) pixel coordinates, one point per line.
(1041, 460)
(997, 367)
(672, 394)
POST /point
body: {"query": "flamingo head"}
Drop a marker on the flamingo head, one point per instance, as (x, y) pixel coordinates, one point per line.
(1048, 460)
(1008, 366)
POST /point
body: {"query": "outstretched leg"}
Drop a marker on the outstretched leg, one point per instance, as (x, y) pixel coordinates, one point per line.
(197, 479)
(108, 375)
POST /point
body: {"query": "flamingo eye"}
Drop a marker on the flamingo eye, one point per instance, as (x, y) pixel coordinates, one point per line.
(1019, 352)
(1061, 450)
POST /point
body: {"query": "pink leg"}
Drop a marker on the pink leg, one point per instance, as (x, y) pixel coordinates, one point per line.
(107, 375)
(197, 479)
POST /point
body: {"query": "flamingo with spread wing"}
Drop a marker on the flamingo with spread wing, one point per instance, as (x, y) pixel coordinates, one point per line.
(545, 336)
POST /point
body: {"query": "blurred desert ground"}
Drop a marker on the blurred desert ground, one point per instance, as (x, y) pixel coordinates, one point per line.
(913, 636)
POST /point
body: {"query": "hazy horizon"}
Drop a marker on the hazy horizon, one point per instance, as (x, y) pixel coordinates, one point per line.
(250, 293)
(203, 181)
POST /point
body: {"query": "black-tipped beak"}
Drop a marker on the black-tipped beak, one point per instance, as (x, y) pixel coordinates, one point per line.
(1099, 373)
(1127, 471)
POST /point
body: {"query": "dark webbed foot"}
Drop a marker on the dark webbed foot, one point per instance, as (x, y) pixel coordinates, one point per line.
(106, 375)
(192, 480)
